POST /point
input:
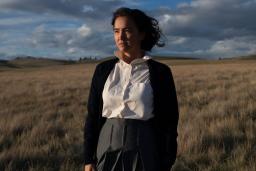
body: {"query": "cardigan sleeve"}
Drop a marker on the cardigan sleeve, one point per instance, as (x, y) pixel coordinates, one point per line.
(172, 121)
(167, 107)
(91, 121)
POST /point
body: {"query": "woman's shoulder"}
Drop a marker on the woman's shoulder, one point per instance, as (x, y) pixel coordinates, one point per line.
(158, 65)
(106, 63)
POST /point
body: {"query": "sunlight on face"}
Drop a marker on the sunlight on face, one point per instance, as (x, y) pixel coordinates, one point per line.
(126, 34)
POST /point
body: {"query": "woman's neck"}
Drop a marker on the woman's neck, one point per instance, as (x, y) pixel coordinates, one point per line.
(129, 57)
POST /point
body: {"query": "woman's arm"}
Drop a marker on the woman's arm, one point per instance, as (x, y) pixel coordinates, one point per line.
(172, 120)
(167, 109)
(91, 121)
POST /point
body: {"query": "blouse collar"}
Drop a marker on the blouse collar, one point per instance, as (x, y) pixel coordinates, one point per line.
(135, 61)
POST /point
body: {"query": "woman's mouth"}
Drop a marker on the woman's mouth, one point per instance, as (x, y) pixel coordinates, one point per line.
(123, 44)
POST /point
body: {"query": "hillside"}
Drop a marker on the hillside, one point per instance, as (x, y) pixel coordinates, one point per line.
(34, 62)
(37, 62)
(250, 57)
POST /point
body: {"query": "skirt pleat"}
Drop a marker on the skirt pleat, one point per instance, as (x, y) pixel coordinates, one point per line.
(127, 145)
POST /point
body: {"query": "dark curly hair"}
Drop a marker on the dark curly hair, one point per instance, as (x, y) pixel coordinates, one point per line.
(145, 24)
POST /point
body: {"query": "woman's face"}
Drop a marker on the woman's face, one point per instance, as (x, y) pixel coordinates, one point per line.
(127, 36)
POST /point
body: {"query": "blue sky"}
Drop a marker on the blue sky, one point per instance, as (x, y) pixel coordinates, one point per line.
(71, 29)
(152, 4)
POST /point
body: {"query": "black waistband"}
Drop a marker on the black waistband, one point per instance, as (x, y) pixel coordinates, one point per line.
(129, 121)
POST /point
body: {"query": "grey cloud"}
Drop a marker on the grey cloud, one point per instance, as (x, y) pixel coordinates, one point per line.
(48, 36)
(186, 46)
(210, 26)
(89, 9)
(212, 19)
(2, 55)
(199, 28)
(238, 46)
(97, 13)
(100, 43)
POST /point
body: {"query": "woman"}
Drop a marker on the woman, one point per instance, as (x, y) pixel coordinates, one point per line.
(132, 107)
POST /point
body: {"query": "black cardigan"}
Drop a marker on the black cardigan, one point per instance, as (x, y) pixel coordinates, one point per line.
(165, 111)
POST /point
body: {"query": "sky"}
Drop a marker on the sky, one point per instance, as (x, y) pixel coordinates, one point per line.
(70, 29)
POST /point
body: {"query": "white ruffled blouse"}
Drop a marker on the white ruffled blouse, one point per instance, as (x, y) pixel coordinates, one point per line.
(127, 92)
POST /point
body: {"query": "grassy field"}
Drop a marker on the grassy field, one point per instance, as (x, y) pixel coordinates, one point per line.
(42, 114)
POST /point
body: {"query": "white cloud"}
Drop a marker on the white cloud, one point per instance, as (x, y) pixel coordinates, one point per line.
(206, 4)
(164, 19)
(15, 21)
(167, 19)
(234, 47)
(84, 30)
(72, 50)
(177, 40)
(70, 42)
(40, 28)
(170, 22)
(87, 8)
(183, 5)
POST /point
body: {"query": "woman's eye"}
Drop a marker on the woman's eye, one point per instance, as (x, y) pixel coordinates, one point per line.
(128, 31)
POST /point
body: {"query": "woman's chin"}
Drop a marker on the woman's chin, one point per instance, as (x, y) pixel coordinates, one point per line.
(124, 50)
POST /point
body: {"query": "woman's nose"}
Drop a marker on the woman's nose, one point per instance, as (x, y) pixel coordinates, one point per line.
(122, 35)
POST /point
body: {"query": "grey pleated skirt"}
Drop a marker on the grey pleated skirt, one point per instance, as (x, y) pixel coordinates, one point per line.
(127, 145)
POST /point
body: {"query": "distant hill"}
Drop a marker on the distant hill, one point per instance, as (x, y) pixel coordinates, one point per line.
(32, 62)
(24, 62)
(5, 63)
(247, 57)
(38, 62)
(175, 58)
(161, 58)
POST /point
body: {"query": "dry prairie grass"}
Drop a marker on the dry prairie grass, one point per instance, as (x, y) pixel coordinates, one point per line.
(42, 113)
